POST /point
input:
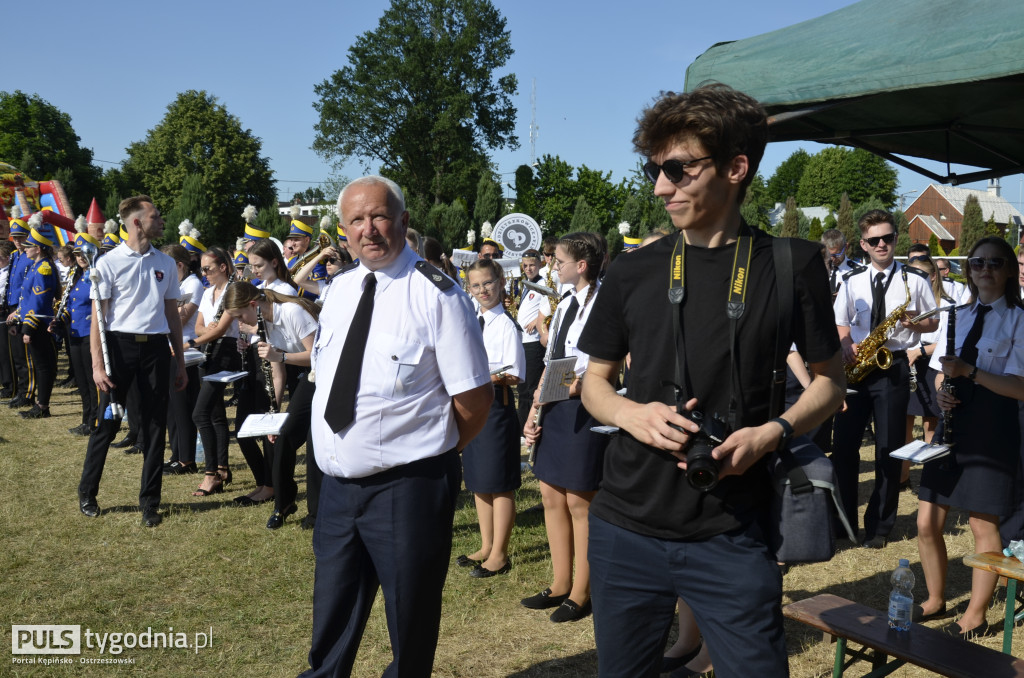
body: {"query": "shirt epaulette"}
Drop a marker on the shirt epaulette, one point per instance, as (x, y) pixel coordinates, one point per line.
(916, 271)
(440, 280)
(351, 266)
(849, 274)
(856, 265)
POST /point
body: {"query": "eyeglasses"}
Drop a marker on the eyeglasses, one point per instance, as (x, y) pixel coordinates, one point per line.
(888, 239)
(559, 264)
(919, 257)
(673, 169)
(979, 263)
(480, 286)
(943, 269)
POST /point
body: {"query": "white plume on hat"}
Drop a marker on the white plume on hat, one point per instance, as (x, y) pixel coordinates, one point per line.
(249, 213)
(36, 220)
(471, 236)
(295, 211)
(240, 244)
(110, 227)
(486, 229)
(15, 211)
(81, 225)
(185, 228)
(325, 223)
(624, 228)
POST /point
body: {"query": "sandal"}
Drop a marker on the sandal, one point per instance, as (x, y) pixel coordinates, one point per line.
(225, 474)
(219, 487)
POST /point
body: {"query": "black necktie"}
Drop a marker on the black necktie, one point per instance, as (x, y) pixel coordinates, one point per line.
(832, 281)
(563, 329)
(341, 403)
(878, 300)
(969, 352)
(482, 323)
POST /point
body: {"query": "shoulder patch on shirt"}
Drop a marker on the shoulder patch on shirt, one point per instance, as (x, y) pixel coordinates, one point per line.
(45, 268)
(520, 329)
(849, 274)
(351, 266)
(856, 265)
(440, 280)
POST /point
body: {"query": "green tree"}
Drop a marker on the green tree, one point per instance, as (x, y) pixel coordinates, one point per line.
(933, 246)
(992, 228)
(830, 222)
(903, 233)
(757, 203)
(421, 97)
(455, 222)
(815, 230)
(837, 170)
(972, 228)
(39, 136)
(862, 208)
(641, 208)
(786, 179)
(615, 242)
(603, 197)
(270, 220)
(790, 220)
(199, 136)
(526, 191)
(584, 218)
(111, 203)
(193, 205)
(848, 227)
(488, 200)
(556, 193)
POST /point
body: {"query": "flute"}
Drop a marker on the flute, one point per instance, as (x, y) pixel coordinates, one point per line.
(947, 383)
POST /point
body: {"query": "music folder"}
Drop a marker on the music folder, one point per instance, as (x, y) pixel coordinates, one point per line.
(258, 425)
(918, 451)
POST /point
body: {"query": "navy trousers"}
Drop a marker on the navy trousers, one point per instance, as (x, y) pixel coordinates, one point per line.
(391, 531)
(730, 581)
(886, 394)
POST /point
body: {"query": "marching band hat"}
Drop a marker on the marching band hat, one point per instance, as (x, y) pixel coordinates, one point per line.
(489, 241)
(82, 238)
(110, 237)
(241, 258)
(630, 243)
(341, 234)
(190, 237)
(297, 229)
(19, 227)
(41, 235)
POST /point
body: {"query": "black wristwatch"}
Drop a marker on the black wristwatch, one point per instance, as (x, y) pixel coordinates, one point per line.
(191, 343)
(974, 374)
(787, 431)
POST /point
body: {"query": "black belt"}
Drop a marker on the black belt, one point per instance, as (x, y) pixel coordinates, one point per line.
(138, 338)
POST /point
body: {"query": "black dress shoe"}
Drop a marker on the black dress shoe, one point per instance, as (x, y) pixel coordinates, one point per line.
(151, 517)
(481, 572)
(36, 413)
(670, 664)
(176, 468)
(81, 430)
(134, 449)
(876, 542)
(466, 561)
(246, 500)
(19, 401)
(6, 394)
(543, 600)
(124, 442)
(569, 611)
(277, 517)
(918, 615)
(89, 508)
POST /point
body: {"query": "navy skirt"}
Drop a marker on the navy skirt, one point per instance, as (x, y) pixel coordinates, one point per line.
(923, 402)
(491, 461)
(979, 472)
(569, 454)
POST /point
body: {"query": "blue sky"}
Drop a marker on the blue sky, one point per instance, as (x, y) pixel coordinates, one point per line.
(114, 66)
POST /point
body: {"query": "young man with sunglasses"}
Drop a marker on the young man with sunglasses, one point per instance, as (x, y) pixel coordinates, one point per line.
(864, 302)
(654, 536)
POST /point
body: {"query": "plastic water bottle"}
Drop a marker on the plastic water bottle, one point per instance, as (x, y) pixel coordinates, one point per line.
(200, 450)
(901, 600)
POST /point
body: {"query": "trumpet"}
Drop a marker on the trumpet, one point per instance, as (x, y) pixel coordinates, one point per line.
(322, 243)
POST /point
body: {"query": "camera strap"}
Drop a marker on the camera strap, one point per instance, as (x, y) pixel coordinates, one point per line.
(734, 308)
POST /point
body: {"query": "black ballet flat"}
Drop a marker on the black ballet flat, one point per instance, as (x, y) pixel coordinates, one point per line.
(481, 572)
(466, 561)
(670, 664)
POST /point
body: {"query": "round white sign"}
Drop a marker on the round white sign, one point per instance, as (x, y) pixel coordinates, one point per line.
(517, 233)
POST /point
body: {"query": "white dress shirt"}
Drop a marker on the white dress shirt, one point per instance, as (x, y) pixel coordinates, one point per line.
(573, 335)
(209, 308)
(424, 346)
(530, 305)
(291, 325)
(137, 285)
(853, 304)
(193, 287)
(1001, 346)
(502, 340)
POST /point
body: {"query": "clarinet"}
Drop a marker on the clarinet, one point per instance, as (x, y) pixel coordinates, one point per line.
(69, 282)
(947, 383)
(268, 372)
(208, 347)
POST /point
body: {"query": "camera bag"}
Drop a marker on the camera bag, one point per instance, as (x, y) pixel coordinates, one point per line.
(803, 478)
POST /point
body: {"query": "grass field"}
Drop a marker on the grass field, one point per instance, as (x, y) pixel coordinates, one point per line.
(214, 567)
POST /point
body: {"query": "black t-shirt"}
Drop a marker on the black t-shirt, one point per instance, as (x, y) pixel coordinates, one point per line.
(643, 490)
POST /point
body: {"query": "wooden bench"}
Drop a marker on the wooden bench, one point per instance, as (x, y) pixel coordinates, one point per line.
(1013, 570)
(922, 646)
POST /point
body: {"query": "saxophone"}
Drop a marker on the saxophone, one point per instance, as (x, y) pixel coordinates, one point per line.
(552, 301)
(872, 352)
(208, 347)
(268, 372)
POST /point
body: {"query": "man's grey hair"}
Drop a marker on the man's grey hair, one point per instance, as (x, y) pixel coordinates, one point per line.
(833, 238)
(397, 197)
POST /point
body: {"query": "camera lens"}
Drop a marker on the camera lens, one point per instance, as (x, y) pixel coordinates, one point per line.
(701, 470)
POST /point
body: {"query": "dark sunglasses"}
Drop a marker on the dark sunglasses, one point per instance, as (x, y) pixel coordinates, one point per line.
(993, 264)
(919, 257)
(888, 239)
(207, 269)
(673, 169)
(331, 260)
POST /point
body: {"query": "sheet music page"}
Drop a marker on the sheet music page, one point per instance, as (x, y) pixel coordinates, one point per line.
(557, 380)
(258, 425)
(225, 376)
(919, 451)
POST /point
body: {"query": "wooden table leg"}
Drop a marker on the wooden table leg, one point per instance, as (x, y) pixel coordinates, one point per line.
(1011, 605)
(837, 669)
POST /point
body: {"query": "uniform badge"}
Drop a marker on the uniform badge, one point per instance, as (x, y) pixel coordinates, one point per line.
(436, 277)
(159, 275)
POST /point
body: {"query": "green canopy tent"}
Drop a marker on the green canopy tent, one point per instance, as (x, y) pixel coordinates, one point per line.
(935, 79)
